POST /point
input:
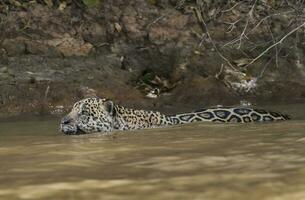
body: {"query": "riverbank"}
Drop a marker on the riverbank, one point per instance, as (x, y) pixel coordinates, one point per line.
(54, 55)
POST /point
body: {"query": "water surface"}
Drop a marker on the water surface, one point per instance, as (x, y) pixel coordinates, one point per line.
(196, 161)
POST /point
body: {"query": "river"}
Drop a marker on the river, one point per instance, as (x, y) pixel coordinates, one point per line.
(264, 161)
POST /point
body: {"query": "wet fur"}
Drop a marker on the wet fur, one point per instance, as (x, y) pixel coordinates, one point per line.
(101, 115)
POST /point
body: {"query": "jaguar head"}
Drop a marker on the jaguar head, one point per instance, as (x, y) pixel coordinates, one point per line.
(88, 116)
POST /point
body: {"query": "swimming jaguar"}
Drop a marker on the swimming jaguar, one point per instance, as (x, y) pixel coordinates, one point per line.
(101, 115)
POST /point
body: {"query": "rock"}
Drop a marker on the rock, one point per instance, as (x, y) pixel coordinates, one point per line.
(86, 92)
(57, 110)
(3, 70)
(178, 73)
(202, 91)
(168, 28)
(5, 74)
(95, 34)
(13, 47)
(39, 48)
(70, 46)
(133, 28)
(3, 56)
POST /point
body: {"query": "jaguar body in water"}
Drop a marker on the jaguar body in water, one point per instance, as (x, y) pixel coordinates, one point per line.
(101, 115)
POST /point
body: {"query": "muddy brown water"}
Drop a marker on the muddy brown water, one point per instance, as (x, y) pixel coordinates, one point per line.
(195, 161)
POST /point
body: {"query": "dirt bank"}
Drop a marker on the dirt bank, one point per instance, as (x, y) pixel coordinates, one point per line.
(53, 55)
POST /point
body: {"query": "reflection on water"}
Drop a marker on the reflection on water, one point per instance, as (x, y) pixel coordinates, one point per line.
(195, 161)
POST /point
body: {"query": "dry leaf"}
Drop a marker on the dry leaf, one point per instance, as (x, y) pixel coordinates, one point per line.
(15, 3)
(117, 27)
(49, 3)
(62, 6)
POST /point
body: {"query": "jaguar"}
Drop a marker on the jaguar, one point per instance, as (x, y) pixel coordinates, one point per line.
(102, 115)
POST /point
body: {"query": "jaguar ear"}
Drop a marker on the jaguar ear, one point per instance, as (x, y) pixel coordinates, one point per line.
(109, 106)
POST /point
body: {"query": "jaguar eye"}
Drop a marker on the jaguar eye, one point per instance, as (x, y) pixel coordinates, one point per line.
(85, 112)
(66, 120)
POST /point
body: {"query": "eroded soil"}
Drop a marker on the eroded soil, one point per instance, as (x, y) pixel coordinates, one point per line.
(53, 56)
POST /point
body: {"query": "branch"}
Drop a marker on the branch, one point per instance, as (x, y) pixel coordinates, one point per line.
(276, 49)
(257, 25)
(200, 19)
(243, 34)
(275, 44)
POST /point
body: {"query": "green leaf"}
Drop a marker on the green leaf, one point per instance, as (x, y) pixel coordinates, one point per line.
(92, 3)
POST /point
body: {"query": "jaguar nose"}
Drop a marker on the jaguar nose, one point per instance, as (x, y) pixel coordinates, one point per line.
(66, 120)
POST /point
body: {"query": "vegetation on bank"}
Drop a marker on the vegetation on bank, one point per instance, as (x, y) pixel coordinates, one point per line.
(253, 48)
(59, 4)
(240, 32)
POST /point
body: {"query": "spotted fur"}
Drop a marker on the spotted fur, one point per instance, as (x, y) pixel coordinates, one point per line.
(101, 115)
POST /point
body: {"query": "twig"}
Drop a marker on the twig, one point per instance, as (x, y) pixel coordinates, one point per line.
(279, 42)
(203, 36)
(276, 49)
(220, 72)
(200, 19)
(264, 69)
(262, 20)
(156, 20)
(258, 45)
(232, 25)
(224, 11)
(257, 25)
(161, 17)
(46, 93)
(243, 34)
(103, 44)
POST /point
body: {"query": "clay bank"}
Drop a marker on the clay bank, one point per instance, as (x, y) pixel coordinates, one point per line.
(160, 55)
